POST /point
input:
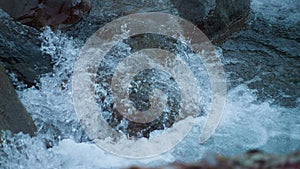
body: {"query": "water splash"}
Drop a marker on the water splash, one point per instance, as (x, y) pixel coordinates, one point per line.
(61, 143)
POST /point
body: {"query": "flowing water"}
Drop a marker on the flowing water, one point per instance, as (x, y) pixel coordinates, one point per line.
(253, 118)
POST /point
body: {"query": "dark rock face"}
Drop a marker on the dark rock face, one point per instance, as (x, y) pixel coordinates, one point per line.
(20, 50)
(13, 115)
(105, 11)
(216, 18)
(195, 11)
(265, 56)
(39, 13)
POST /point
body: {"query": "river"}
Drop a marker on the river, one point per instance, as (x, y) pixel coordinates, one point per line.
(262, 65)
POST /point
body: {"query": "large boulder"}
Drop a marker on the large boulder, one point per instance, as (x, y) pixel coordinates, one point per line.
(39, 13)
(20, 50)
(216, 18)
(13, 116)
(265, 55)
(105, 11)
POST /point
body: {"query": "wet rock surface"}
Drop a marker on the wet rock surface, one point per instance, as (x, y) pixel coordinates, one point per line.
(15, 53)
(20, 50)
(217, 19)
(214, 17)
(265, 56)
(141, 86)
(13, 115)
(39, 13)
(105, 11)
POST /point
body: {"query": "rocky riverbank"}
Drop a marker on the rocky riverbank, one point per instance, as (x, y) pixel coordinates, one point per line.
(250, 160)
(258, 42)
(20, 44)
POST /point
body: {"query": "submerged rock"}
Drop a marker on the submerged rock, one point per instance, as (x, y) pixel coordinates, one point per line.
(13, 115)
(106, 11)
(38, 13)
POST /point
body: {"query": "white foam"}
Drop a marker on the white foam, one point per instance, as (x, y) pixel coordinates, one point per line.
(246, 124)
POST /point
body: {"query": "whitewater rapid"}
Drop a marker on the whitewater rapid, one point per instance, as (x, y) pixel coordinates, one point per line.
(62, 143)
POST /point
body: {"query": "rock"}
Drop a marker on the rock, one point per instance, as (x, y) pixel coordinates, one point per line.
(23, 56)
(253, 160)
(20, 50)
(13, 116)
(265, 55)
(39, 13)
(104, 11)
(216, 18)
(195, 11)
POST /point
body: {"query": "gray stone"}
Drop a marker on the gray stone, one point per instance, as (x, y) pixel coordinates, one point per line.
(195, 11)
(105, 11)
(13, 116)
(20, 50)
(39, 13)
(216, 18)
(265, 56)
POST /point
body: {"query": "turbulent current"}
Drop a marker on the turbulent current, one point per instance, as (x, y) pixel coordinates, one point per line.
(252, 119)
